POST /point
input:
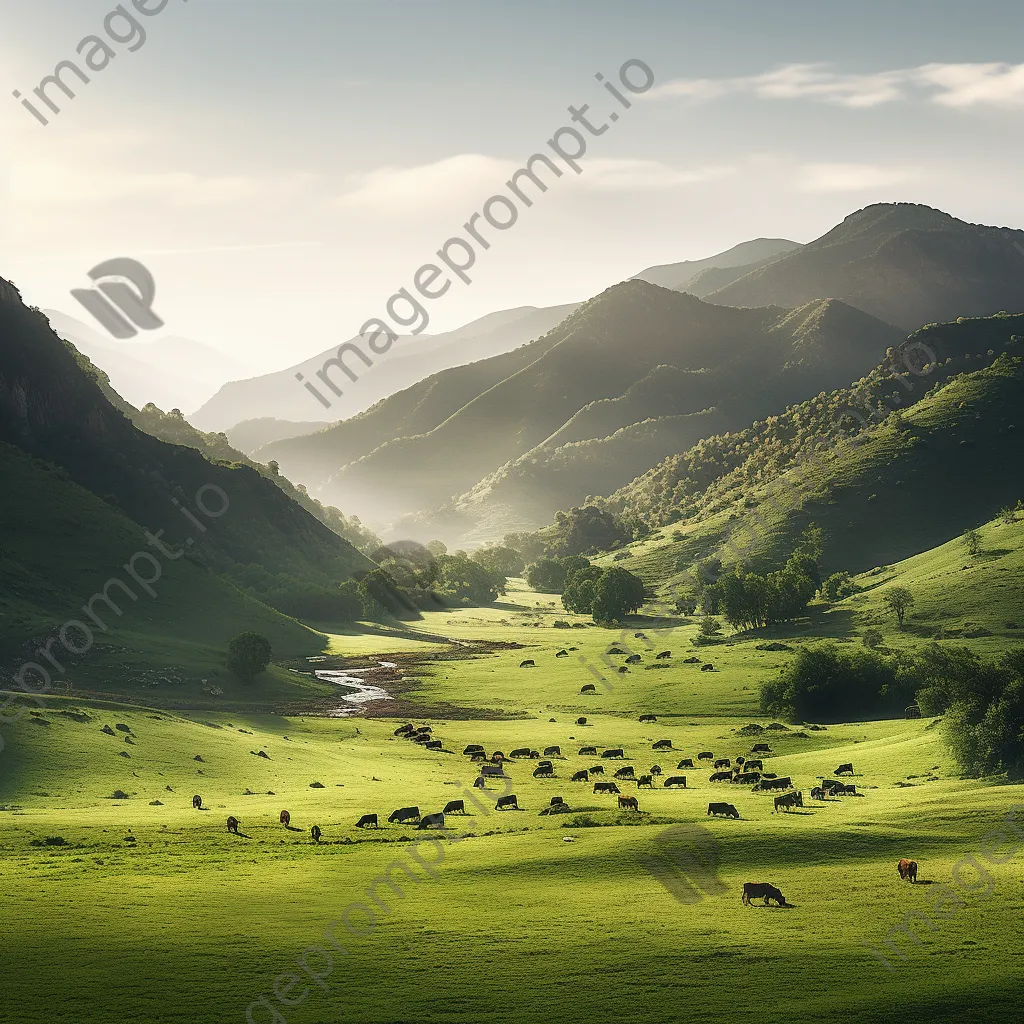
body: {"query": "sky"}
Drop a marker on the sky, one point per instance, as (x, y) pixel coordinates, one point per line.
(283, 167)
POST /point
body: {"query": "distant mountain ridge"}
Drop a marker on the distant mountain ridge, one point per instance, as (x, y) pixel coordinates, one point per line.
(679, 276)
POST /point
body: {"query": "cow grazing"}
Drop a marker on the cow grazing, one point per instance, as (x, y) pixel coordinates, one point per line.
(404, 814)
(788, 801)
(544, 771)
(403, 729)
(588, 751)
(754, 764)
(817, 793)
(687, 762)
(639, 636)
(433, 745)
(492, 771)
(367, 821)
(529, 663)
(197, 802)
(557, 801)
(722, 762)
(561, 654)
(625, 773)
(543, 764)
(762, 890)
(286, 818)
(705, 755)
(720, 777)
(727, 809)
(552, 751)
(691, 661)
(661, 745)
(605, 787)
(848, 789)
(455, 807)
(581, 721)
(645, 782)
(583, 776)
(675, 782)
(497, 756)
(634, 659)
(506, 802)
(478, 756)
(629, 803)
(315, 833)
(707, 668)
(422, 738)
(648, 718)
(907, 869)
(424, 729)
(588, 688)
(432, 820)
(768, 784)
(597, 770)
(233, 825)
(520, 752)
(615, 650)
(844, 769)
(746, 778)
(761, 748)
(655, 769)
(830, 786)
(479, 782)
(622, 670)
(664, 654)
(614, 752)
(474, 748)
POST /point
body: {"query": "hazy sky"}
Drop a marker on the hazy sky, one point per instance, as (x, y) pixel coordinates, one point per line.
(284, 166)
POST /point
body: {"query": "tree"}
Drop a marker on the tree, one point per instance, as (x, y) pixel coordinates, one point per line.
(436, 547)
(872, 638)
(248, 655)
(617, 593)
(500, 559)
(581, 589)
(972, 541)
(838, 586)
(710, 628)
(899, 601)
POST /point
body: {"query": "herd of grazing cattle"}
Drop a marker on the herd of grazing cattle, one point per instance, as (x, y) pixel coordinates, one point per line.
(737, 769)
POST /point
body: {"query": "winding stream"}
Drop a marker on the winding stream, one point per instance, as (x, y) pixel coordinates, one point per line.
(363, 691)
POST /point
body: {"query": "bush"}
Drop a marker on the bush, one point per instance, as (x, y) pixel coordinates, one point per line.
(872, 638)
(248, 655)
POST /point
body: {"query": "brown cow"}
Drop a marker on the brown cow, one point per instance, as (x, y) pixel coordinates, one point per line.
(233, 825)
(907, 869)
(629, 803)
(286, 818)
(197, 802)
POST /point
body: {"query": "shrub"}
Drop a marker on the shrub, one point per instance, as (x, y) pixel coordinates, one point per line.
(248, 655)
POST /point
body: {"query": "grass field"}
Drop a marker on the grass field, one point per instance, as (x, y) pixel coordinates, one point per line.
(152, 911)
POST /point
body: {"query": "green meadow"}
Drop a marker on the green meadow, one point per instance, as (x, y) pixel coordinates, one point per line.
(150, 910)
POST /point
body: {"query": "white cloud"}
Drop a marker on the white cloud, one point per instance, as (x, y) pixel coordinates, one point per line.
(842, 177)
(951, 85)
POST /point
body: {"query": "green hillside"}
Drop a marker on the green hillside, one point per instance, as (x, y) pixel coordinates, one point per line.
(904, 263)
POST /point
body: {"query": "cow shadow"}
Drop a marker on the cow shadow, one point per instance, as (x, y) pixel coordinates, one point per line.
(292, 828)
(241, 835)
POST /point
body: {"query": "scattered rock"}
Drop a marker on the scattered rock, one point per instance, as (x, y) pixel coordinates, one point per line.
(107, 730)
(123, 753)
(773, 646)
(119, 794)
(156, 803)
(199, 757)
(316, 785)
(121, 727)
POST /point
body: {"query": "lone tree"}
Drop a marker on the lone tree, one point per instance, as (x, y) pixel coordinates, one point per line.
(899, 601)
(617, 593)
(248, 655)
(972, 541)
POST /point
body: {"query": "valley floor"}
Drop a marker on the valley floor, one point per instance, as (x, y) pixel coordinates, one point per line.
(151, 911)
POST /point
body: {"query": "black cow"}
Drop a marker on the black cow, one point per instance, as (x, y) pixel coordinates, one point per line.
(755, 890)
(497, 756)
(648, 718)
(404, 814)
(315, 833)
(707, 668)
(588, 751)
(614, 752)
(639, 636)
(761, 748)
(520, 752)
(830, 785)
(479, 782)
(504, 802)
(767, 784)
(424, 729)
(543, 764)
(197, 801)
(557, 801)
(529, 663)
(629, 803)
(455, 807)
(727, 809)
(664, 654)
(622, 670)
(817, 793)
(625, 773)
(432, 820)
(422, 738)
(844, 769)
(754, 764)
(687, 762)
(722, 762)
(477, 755)
(492, 771)
(691, 661)
(583, 776)
(845, 790)
(561, 654)
(655, 769)
(720, 777)
(705, 755)
(661, 745)
(581, 721)
(605, 787)
(433, 745)
(746, 778)
(552, 751)
(675, 781)
(645, 782)
(788, 801)
(233, 825)
(366, 821)
(544, 771)
(474, 748)
(634, 659)
(597, 770)
(588, 688)
(403, 729)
